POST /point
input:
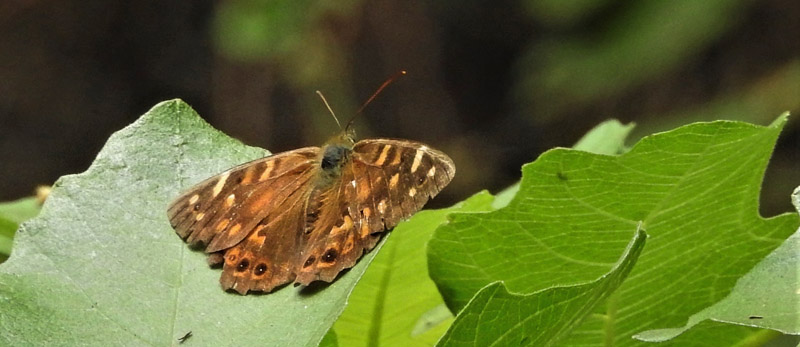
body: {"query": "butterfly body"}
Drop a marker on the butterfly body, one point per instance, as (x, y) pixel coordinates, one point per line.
(334, 155)
(307, 214)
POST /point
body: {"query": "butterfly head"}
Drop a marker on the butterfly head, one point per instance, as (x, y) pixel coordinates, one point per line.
(336, 152)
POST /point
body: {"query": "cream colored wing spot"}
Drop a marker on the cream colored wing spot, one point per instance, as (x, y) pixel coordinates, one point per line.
(417, 159)
(230, 200)
(393, 181)
(382, 156)
(412, 192)
(220, 183)
(267, 171)
(382, 206)
(432, 171)
(199, 216)
(193, 200)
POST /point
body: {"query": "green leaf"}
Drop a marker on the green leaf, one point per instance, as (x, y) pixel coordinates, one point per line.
(396, 303)
(752, 303)
(101, 265)
(20, 210)
(495, 316)
(696, 190)
(606, 138)
(329, 340)
(11, 215)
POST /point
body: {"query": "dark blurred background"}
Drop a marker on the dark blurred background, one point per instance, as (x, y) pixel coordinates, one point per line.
(492, 83)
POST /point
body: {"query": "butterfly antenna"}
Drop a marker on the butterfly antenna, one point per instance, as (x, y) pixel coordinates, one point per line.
(329, 108)
(384, 85)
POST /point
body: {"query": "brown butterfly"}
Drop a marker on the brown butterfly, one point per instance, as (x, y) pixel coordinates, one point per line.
(307, 214)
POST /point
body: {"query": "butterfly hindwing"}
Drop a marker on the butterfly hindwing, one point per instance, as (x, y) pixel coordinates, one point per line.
(265, 259)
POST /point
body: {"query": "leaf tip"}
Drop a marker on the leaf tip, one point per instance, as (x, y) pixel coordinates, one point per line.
(781, 120)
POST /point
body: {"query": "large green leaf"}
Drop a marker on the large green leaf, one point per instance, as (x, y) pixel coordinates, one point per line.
(495, 317)
(752, 303)
(695, 189)
(101, 265)
(396, 303)
(607, 137)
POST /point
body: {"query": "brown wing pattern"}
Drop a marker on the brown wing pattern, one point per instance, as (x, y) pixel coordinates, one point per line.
(266, 258)
(385, 182)
(249, 202)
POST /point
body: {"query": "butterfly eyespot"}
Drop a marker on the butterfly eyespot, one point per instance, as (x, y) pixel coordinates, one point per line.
(309, 261)
(242, 265)
(196, 207)
(421, 180)
(260, 269)
(232, 258)
(329, 256)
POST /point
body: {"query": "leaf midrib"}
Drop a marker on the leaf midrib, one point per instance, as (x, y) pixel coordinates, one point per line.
(380, 297)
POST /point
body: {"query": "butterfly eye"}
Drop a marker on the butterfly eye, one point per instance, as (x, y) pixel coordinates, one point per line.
(242, 265)
(260, 269)
(309, 261)
(329, 256)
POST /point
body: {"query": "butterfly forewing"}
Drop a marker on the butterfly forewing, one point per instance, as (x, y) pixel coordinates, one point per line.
(385, 182)
(222, 210)
(409, 172)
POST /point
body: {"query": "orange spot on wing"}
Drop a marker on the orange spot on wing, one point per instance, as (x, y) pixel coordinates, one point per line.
(365, 230)
(363, 192)
(222, 224)
(249, 173)
(348, 245)
(398, 155)
(260, 202)
(235, 229)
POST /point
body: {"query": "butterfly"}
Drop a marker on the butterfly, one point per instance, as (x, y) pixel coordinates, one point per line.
(306, 215)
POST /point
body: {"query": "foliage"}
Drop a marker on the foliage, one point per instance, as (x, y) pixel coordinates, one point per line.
(560, 260)
(11, 215)
(396, 303)
(102, 266)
